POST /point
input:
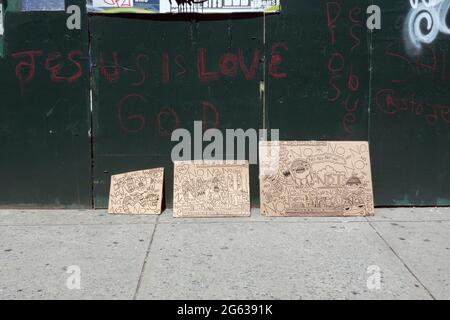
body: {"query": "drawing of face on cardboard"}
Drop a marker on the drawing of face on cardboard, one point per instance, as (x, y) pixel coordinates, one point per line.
(128, 205)
(300, 171)
(141, 184)
(130, 185)
(354, 202)
(187, 190)
(216, 185)
(200, 188)
(273, 188)
(216, 193)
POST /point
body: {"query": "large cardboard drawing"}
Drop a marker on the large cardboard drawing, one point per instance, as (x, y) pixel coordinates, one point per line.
(138, 192)
(211, 189)
(315, 179)
(182, 6)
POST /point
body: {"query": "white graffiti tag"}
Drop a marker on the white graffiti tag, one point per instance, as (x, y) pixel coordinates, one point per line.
(426, 20)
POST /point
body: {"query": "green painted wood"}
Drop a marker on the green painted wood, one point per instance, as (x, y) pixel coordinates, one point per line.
(153, 86)
(318, 86)
(321, 76)
(311, 82)
(44, 123)
(13, 5)
(410, 115)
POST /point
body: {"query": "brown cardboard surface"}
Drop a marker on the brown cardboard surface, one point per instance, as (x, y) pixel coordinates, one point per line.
(138, 192)
(211, 189)
(315, 178)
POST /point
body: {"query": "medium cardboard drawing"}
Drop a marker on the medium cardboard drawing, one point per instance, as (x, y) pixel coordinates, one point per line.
(211, 189)
(138, 192)
(315, 178)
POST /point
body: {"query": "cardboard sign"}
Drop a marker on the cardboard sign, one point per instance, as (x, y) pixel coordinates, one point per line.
(315, 179)
(182, 6)
(138, 192)
(211, 189)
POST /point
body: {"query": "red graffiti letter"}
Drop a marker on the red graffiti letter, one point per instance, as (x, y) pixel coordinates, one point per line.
(30, 66)
(332, 19)
(204, 75)
(165, 68)
(110, 76)
(276, 60)
(140, 120)
(77, 75)
(249, 73)
(229, 65)
(208, 106)
(167, 113)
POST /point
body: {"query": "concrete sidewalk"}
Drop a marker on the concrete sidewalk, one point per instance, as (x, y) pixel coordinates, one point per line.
(126, 257)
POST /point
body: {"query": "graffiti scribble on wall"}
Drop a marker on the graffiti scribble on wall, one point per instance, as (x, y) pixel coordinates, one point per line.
(425, 21)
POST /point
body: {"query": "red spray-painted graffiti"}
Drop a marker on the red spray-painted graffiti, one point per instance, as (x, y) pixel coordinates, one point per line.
(167, 68)
(60, 67)
(390, 103)
(229, 65)
(344, 81)
(430, 67)
(132, 117)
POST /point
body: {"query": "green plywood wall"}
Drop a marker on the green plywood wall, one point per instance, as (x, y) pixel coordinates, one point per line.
(314, 71)
(45, 158)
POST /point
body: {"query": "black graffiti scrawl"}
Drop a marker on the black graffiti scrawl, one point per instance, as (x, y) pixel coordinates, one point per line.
(183, 4)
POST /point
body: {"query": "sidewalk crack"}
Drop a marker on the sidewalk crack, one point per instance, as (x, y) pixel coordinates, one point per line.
(141, 275)
(401, 260)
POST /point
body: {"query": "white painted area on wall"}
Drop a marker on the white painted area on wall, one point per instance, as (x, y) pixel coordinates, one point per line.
(426, 20)
(2, 30)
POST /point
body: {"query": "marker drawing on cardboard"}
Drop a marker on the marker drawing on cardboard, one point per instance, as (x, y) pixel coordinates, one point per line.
(315, 179)
(138, 192)
(211, 189)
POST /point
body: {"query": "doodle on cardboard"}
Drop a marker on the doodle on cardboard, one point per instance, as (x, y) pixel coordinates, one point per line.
(315, 178)
(211, 189)
(138, 192)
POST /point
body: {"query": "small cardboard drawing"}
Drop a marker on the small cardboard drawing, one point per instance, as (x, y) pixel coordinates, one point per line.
(211, 189)
(138, 192)
(315, 179)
